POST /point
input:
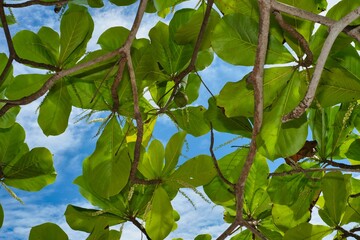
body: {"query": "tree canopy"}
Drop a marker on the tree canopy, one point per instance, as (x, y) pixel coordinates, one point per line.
(300, 103)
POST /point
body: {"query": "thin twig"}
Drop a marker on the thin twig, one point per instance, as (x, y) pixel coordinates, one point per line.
(335, 30)
(219, 173)
(297, 12)
(257, 79)
(295, 34)
(295, 171)
(139, 226)
(178, 78)
(341, 165)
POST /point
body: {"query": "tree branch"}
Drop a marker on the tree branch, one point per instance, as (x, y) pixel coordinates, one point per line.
(346, 233)
(219, 173)
(257, 80)
(295, 34)
(295, 171)
(139, 226)
(116, 83)
(52, 80)
(335, 30)
(34, 2)
(177, 79)
(341, 165)
(349, 30)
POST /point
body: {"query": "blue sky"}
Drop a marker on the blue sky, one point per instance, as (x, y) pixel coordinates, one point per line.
(78, 141)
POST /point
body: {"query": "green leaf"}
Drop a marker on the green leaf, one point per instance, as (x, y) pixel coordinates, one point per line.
(109, 162)
(10, 19)
(354, 150)
(8, 78)
(191, 119)
(275, 136)
(285, 218)
(195, 172)
(352, 211)
(9, 118)
(55, 110)
(11, 140)
(170, 56)
(203, 237)
(1, 215)
(123, 2)
(85, 219)
(25, 84)
(185, 26)
(51, 40)
(113, 38)
(307, 231)
(28, 45)
(156, 153)
(331, 91)
(222, 123)
(173, 151)
(275, 80)
(244, 235)
(47, 230)
(32, 171)
(160, 219)
(335, 187)
(95, 3)
(76, 28)
(235, 40)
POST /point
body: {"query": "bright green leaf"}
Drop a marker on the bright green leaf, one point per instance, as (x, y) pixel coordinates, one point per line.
(275, 136)
(275, 79)
(11, 140)
(109, 162)
(85, 219)
(191, 119)
(51, 40)
(9, 118)
(55, 110)
(25, 84)
(113, 38)
(307, 231)
(28, 45)
(159, 220)
(156, 153)
(235, 40)
(284, 217)
(75, 31)
(222, 123)
(173, 151)
(203, 237)
(47, 231)
(195, 172)
(32, 171)
(335, 187)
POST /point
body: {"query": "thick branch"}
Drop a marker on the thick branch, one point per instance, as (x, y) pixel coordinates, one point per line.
(295, 34)
(313, 17)
(257, 79)
(11, 49)
(346, 233)
(139, 226)
(116, 83)
(52, 80)
(219, 173)
(34, 2)
(335, 30)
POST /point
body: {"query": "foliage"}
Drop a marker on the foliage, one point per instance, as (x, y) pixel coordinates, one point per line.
(139, 175)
